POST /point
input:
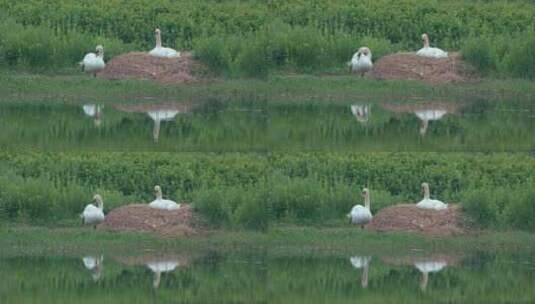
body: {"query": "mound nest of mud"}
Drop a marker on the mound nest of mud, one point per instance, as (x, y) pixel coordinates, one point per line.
(409, 66)
(139, 65)
(409, 218)
(142, 218)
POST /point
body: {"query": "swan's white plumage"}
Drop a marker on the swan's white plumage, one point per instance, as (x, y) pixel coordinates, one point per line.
(158, 116)
(91, 110)
(163, 266)
(430, 52)
(426, 267)
(94, 62)
(428, 203)
(361, 62)
(430, 266)
(430, 114)
(432, 204)
(162, 52)
(95, 265)
(92, 214)
(361, 112)
(360, 261)
(91, 262)
(361, 215)
(163, 204)
(94, 111)
(163, 115)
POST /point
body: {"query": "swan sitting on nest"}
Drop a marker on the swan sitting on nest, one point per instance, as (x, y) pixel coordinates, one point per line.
(93, 63)
(430, 52)
(361, 215)
(160, 203)
(92, 214)
(428, 203)
(160, 51)
(361, 61)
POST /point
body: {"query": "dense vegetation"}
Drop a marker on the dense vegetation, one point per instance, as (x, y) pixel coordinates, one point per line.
(253, 190)
(254, 37)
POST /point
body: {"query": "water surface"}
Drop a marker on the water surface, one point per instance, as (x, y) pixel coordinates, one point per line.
(398, 125)
(263, 278)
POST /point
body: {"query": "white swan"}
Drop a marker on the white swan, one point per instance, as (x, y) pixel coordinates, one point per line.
(361, 215)
(160, 203)
(361, 112)
(93, 63)
(92, 214)
(94, 264)
(158, 116)
(361, 62)
(160, 51)
(425, 115)
(159, 267)
(426, 267)
(362, 262)
(94, 111)
(428, 203)
(430, 52)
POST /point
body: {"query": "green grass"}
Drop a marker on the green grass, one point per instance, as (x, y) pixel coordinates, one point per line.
(18, 240)
(75, 87)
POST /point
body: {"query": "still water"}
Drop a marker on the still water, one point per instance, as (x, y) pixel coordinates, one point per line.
(480, 277)
(398, 125)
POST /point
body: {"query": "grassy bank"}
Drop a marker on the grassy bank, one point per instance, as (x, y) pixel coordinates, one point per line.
(73, 87)
(16, 240)
(258, 190)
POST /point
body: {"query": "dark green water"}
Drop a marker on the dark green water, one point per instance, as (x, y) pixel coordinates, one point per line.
(400, 125)
(263, 278)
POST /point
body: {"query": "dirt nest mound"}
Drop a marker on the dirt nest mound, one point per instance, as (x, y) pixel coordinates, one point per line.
(142, 218)
(409, 66)
(410, 218)
(139, 65)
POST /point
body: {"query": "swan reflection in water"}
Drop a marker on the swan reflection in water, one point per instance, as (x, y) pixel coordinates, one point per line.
(426, 115)
(361, 112)
(425, 112)
(362, 262)
(158, 116)
(157, 112)
(94, 264)
(94, 111)
(157, 267)
(426, 267)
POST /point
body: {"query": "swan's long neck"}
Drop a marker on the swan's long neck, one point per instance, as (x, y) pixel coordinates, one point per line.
(156, 131)
(158, 39)
(367, 200)
(423, 127)
(426, 192)
(156, 281)
(159, 194)
(426, 42)
(364, 279)
(100, 203)
(424, 280)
